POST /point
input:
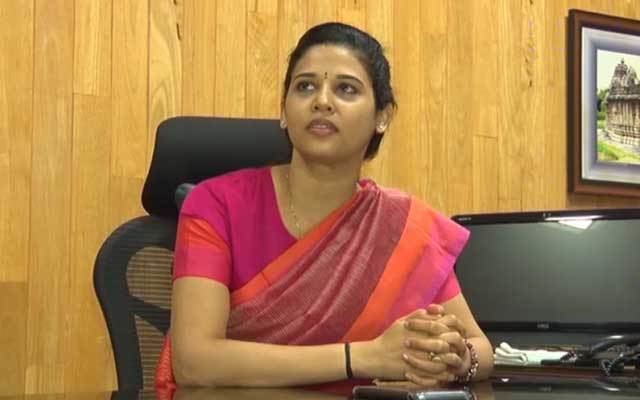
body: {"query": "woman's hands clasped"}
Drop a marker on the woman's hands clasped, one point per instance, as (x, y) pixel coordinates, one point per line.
(425, 348)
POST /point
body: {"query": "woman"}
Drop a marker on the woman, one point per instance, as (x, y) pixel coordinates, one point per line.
(305, 274)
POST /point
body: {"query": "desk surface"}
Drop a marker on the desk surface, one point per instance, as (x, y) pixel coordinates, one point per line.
(504, 387)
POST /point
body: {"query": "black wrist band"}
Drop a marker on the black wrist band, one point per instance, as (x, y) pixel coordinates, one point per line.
(347, 360)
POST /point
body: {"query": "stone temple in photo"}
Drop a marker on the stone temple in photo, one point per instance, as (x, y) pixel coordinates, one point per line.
(623, 106)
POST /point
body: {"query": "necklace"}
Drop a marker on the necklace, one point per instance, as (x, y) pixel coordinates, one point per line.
(292, 211)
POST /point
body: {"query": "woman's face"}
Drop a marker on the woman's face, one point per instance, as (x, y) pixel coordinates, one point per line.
(329, 108)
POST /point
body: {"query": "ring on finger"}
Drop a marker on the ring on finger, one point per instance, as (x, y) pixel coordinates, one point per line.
(430, 355)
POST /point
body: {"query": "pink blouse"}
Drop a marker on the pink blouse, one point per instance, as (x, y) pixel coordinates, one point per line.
(230, 228)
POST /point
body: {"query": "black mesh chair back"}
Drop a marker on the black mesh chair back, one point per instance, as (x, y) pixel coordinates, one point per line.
(133, 269)
(132, 278)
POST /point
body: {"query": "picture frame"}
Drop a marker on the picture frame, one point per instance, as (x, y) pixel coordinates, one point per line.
(603, 104)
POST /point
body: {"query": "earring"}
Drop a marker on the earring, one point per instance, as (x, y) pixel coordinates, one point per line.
(380, 129)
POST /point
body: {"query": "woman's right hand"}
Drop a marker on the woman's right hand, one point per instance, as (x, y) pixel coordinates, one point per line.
(385, 357)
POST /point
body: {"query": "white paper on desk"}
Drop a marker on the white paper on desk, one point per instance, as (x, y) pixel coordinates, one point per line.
(507, 355)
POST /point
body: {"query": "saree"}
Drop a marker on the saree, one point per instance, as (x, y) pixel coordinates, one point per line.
(377, 258)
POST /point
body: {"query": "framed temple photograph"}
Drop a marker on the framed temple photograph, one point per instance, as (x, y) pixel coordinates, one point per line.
(603, 104)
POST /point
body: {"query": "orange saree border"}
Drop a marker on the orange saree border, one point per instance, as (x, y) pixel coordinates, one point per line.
(287, 260)
(404, 257)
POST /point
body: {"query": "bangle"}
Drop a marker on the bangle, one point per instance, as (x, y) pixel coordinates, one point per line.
(347, 360)
(473, 369)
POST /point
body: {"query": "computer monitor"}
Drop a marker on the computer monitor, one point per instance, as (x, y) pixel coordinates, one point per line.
(560, 277)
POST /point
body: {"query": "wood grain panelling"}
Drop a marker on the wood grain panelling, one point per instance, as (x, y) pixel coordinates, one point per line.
(292, 22)
(319, 11)
(130, 69)
(533, 138)
(481, 127)
(484, 68)
(198, 46)
(13, 308)
(92, 47)
(435, 51)
(124, 199)
(262, 68)
(555, 110)
(459, 127)
(129, 104)
(510, 87)
(88, 367)
(379, 22)
(50, 196)
(484, 105)
(485, 174)
(379, 19)
(16, 125)
(231, 42)
(407, 141)
(165, 68)
(352, 12)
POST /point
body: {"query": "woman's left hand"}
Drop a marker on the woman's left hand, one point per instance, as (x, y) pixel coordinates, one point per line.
(438, 326)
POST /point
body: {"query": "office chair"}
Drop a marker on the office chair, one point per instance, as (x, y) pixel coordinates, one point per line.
(132, 273)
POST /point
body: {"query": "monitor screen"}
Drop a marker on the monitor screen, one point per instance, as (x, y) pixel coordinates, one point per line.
(553, 270)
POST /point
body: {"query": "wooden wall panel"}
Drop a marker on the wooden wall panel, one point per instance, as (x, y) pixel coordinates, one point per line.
(481, 127)
(533, 137)
(435, 86)
(231, 42)
(48, 284)
(129, 108)
(510, 86)
(262, 67)
(13, 308)
(88, 366)
(484, 105)
(321, 11)
(379, 22)
(352, 12)
(485, 174)
(16, 126)
(292, 22)
(165, 68)
(484, 68)
(92, 47)
(405, 141)
(198, 44)
(459, 126)
(130, 69)
(555, 110)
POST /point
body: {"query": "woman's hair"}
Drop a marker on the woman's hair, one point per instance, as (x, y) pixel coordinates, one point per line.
(366, 49)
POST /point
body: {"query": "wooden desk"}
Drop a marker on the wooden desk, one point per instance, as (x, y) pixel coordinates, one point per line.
(502, 387)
